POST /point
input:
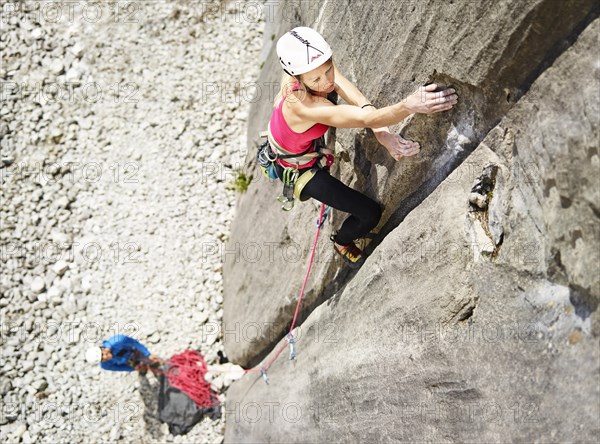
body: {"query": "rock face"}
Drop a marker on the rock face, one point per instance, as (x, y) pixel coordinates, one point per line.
(473, 319)
(491, 54)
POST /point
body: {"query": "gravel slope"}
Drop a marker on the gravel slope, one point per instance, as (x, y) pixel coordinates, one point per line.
(114, 202)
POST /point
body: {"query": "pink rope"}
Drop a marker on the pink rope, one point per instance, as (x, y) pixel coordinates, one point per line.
(186, 370)
(310, 264)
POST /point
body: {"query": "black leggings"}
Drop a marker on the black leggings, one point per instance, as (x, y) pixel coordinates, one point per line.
(364, 211)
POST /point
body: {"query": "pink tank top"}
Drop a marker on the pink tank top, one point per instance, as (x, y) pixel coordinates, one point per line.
(291, 140)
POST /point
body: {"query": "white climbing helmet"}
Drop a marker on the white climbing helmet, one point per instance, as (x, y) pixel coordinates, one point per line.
(301, 50)
(94, 355)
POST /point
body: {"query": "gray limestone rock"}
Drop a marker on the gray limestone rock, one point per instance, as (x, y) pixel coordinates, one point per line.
(433, 341)
(490, 54)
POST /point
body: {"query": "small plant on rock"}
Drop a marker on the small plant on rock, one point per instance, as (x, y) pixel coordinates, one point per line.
(241, 181)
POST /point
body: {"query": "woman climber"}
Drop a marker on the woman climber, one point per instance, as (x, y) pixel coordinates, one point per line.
(303, 113)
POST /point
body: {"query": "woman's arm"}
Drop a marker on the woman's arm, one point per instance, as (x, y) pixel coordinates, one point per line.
(351, 94)
(348, 116)
(424, 100)
(347, 90)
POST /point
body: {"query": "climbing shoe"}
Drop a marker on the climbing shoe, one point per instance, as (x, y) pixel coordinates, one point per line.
(350, 253)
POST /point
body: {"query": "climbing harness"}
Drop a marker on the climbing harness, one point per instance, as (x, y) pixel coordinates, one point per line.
(293, 182)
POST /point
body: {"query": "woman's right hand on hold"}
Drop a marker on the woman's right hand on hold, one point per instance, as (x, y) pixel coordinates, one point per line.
(425, 101)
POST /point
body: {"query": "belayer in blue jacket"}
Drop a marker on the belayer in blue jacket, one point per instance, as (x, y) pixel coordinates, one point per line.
(122, 353)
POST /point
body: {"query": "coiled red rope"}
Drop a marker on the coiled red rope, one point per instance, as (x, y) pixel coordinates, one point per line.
(186, 372)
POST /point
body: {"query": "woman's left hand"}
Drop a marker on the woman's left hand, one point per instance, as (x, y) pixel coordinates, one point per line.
(397, 146)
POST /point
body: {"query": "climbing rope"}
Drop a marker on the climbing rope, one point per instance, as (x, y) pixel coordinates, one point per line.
(186, 370)
(290, 336)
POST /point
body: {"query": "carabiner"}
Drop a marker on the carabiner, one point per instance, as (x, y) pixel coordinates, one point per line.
(291, 340)
(264, 375)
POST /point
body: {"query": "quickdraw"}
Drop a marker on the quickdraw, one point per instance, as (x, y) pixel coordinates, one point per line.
(290, 175)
